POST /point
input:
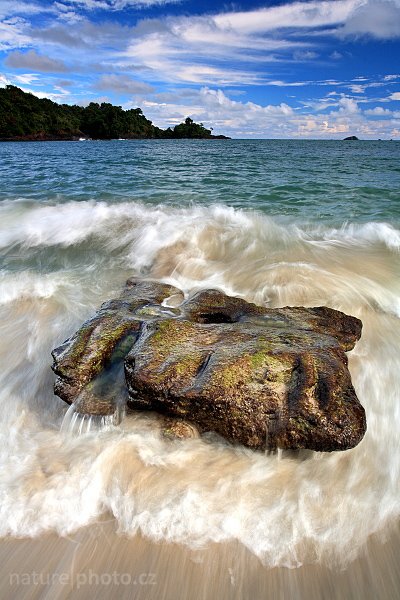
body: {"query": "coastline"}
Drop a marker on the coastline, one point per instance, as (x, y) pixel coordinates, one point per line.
(76, 139)
(96, 562)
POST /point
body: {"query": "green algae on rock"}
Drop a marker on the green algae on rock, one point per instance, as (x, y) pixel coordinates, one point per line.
(264, 378)
(89, 365)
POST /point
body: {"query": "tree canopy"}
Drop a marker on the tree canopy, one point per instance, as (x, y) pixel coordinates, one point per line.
(24, 116)
(189, 129)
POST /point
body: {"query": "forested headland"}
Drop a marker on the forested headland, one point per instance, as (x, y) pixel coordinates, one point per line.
(23, 116)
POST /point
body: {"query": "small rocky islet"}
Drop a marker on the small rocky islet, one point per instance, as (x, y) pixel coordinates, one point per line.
(264, 378)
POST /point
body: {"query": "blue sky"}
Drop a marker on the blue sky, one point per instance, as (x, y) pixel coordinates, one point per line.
(315, 69)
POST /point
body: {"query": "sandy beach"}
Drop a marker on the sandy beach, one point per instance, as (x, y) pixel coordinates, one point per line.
(97, 563)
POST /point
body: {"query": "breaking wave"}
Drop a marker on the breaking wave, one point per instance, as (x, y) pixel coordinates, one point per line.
(61, 261)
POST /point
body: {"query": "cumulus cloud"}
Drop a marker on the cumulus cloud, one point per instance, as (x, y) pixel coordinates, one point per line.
(214, 108)
(248, 119)
(378, 111)
(348, 106)
(36, 62)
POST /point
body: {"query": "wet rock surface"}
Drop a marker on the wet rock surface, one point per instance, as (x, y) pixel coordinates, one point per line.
(264, 378)
(89, 365)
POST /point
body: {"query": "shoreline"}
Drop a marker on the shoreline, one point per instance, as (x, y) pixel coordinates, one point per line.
(70, 139)
(214, 138)
(96, 562)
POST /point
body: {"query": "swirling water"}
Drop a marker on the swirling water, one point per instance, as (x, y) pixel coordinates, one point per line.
(275, 222)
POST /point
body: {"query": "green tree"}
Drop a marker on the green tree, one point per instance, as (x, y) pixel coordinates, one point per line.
(23, 115)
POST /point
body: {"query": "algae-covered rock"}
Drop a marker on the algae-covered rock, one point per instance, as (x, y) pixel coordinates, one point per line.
(89, 365)
(265, 378)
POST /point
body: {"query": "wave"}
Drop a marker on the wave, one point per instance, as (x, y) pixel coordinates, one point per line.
(61, 261)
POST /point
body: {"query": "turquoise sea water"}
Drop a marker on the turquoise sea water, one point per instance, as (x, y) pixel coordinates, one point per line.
(276, 222)
(329, 180)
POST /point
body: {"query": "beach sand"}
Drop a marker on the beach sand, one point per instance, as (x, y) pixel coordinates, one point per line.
(97, 563)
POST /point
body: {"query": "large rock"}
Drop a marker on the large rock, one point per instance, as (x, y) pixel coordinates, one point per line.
(266, 378)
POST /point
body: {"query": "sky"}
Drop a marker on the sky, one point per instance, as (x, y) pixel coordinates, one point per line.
(282, 69)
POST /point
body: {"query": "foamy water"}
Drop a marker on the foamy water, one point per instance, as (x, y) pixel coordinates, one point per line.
(61, 261)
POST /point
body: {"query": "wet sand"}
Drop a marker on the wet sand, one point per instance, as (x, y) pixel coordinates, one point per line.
(97, 563)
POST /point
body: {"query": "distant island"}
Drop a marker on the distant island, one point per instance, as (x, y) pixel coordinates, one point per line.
(24, 117)
(351, 138)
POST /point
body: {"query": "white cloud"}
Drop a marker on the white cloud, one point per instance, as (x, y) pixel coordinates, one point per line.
(200, 50)
(206, 74)
(114, 4)
(216, 109)
(171, 57)
(15, 7)
(357, 88)
(26, 79)
(280, 83)
(378, 111)
(66, 13)
(248, 119)
(376, 18)
(12, 34)
(192, 48)
(304, 55)
(292, 15)
(57, 96)
(4, 81)
(220, 49)
(214, 51)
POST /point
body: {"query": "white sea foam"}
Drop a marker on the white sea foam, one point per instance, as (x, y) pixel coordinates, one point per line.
(286, 509)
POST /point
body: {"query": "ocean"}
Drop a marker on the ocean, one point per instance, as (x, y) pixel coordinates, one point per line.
(277, 222)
